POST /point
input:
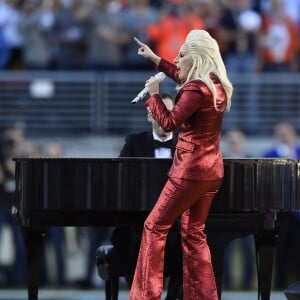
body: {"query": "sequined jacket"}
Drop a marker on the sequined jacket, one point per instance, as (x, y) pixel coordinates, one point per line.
(197, 155)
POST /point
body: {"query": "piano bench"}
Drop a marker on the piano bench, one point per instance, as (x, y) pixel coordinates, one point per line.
(109, 269)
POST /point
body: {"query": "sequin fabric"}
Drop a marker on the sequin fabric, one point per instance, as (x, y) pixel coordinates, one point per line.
(192, 200)
(197, 155)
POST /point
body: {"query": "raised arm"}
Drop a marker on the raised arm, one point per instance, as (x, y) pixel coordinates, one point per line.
(146, 52)
(165, 66)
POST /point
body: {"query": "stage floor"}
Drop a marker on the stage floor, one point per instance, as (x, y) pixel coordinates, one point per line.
(54, 294)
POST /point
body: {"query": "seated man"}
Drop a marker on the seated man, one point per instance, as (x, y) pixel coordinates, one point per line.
(126, 239)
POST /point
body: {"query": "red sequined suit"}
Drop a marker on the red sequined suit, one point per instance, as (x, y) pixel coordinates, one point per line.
(194, 179)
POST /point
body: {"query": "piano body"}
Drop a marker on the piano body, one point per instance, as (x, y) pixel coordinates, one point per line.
(255, 197)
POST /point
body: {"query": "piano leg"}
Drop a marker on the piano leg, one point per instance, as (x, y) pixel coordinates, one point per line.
(217, 256)
(33, 240)
(265, 250)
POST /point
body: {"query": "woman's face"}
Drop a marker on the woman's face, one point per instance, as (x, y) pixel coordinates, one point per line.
(183, 63)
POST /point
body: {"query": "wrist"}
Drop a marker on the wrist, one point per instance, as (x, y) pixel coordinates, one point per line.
(156, 59)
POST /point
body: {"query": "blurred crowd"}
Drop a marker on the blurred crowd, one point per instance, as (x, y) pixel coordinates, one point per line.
(254, 35)
(68, 254)
(240, 260)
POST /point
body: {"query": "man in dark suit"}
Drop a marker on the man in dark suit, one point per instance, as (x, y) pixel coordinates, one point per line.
(126, 239)
(152, 143)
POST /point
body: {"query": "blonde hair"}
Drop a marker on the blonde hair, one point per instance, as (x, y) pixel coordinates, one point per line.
(207, 59)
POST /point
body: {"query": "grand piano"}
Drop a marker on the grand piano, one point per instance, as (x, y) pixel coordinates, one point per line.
(256, 197)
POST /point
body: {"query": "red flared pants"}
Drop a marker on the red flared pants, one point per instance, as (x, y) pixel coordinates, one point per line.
(191, 200)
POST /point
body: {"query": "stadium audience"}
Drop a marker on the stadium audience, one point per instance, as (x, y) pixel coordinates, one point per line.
(72, 35)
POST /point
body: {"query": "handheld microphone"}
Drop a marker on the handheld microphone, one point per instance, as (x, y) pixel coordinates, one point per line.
(142, 94)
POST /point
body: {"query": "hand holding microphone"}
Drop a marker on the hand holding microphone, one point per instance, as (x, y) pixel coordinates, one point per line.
(151, 87)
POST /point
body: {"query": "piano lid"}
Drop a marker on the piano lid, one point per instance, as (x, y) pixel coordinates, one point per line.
(133, 184)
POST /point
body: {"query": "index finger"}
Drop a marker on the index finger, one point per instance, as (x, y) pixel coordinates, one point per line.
(138, 41)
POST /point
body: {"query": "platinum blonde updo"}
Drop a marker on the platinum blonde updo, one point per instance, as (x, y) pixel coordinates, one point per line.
(207, 60)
